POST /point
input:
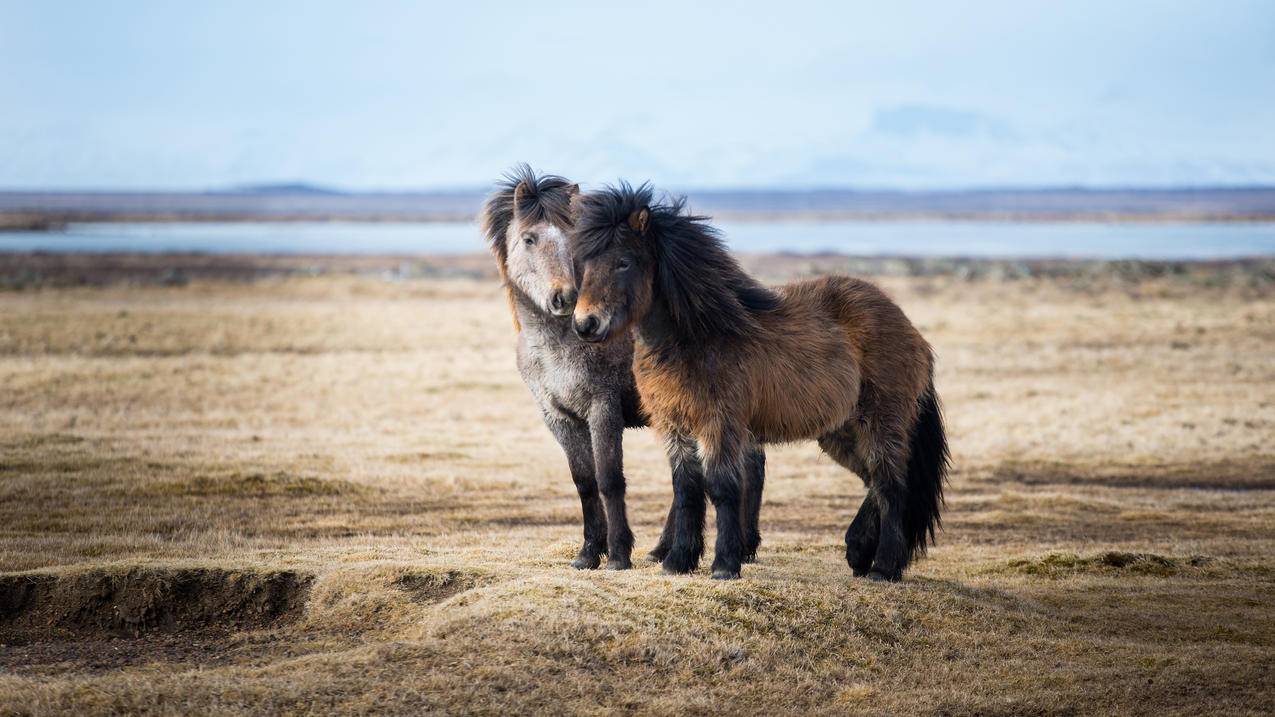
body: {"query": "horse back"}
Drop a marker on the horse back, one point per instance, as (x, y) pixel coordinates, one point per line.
(892, 356)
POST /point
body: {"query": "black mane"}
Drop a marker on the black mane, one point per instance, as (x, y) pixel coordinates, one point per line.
(545, 197)
(703, 287)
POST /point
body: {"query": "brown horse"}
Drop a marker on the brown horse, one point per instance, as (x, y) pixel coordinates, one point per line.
(724, 364)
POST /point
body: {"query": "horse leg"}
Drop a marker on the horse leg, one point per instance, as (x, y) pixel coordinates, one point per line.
(723, 472)
(577, 445)
(754, 481)
(892, 549)
(884, 448)
(661, 548)
(864, 532)
(862, 536)
(687, 514)
(750, 509)
(606, 427)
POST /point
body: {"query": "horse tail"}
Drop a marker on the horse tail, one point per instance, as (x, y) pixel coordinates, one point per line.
(927, 471)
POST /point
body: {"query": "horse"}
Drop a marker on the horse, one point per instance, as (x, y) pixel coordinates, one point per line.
(586, 391)
(724, 364)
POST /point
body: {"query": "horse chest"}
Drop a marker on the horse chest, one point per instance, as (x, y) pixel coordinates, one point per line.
(558, 377)
(674, 397)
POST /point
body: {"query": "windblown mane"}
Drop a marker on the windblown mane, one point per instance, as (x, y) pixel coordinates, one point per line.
(545, 197)
(705, 290)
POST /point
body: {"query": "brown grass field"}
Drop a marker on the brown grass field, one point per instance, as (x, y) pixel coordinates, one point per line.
(333, 495)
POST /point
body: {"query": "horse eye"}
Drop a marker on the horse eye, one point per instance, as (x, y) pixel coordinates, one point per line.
(624, 264)
(529, 238)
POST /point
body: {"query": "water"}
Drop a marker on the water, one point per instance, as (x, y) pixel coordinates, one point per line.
(912, 238)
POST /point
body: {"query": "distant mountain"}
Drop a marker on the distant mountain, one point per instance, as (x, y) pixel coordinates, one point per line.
(304, 202)
(290, 189)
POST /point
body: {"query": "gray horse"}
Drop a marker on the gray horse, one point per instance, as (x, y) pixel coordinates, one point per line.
(586, 391)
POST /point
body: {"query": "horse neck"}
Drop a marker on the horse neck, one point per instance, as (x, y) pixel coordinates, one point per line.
(722, 319)
(535, 320)
(664, 338)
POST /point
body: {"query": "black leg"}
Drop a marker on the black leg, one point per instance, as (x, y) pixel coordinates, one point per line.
(595, 538)
(575, 442)
(687, 544)
(862, 537)
(891, 555)
(750, 502)
(606, 427)
(846, 446)
(661, 548)
(723, 472)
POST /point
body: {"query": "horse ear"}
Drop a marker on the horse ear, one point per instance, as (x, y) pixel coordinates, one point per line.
(640, 220)
(520, 191)
(573, 191)
(576, 204)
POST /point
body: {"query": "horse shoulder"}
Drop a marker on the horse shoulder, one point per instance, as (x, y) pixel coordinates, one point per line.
(677, 396)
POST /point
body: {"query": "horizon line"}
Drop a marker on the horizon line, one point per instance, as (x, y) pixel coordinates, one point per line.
(308, 188)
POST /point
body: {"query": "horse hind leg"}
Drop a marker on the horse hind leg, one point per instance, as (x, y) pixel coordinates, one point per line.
(863, 535)
(908, 465)
(884, 454)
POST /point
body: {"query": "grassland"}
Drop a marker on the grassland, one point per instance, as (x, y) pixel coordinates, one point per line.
(332, 494)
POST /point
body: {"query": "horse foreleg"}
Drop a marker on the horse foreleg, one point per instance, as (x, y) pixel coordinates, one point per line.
(606, 427)
(724, 471)
(576, 444)
(750, 507)
(687, 514)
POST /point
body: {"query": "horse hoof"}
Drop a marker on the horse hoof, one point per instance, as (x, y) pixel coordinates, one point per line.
(619, 564)
(586, 563)
(725, 574)
(877, 576)
(859, 559)
(655, 556)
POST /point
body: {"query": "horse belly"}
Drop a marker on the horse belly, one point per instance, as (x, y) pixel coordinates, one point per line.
(805, 399)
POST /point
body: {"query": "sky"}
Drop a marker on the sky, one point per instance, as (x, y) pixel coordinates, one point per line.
(386, 96)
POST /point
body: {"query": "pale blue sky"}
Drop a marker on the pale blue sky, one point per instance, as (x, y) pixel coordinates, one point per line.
(378, 95)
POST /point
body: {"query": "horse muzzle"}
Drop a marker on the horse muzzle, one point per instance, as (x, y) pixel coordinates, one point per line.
(562, 302)
(590, 328)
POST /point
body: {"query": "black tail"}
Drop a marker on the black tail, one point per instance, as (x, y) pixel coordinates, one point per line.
(927, 471)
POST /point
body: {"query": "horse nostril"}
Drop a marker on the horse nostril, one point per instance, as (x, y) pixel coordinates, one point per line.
(586, 327)
(556, 300)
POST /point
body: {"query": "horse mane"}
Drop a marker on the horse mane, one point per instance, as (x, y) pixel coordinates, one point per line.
(544, 197)
(705, 290)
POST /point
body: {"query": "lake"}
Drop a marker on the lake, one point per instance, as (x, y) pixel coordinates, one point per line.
(903, 238)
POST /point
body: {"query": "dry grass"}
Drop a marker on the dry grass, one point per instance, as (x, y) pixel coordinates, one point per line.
(333, 495)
